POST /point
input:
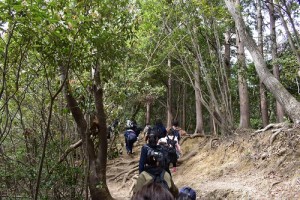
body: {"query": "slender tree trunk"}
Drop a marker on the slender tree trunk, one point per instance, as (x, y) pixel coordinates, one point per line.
(289, 36)
(227, 53)
(199, 115)
(242, 84)
(291, 105)
(183, 118)
(148, 107)
(98, 165)
(279, 108)
(262, 88)
(291, 20)
(169, 96)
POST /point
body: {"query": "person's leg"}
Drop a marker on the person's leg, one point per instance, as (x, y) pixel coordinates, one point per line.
(174, 165)
(127, 145)
(130, 146)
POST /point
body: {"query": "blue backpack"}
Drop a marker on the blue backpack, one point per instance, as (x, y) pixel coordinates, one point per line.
(130, 135)
(187, 193)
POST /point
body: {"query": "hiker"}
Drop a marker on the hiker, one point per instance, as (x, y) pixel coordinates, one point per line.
(179, 132)
(153, 191)
(174, 149)
(137, 129)
(146, 129)
(130, 136)
(160, 128)
(186, 193)
(152, 166)
(111, 128)
(152, 144)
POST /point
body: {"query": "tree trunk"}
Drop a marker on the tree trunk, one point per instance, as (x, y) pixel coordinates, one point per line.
(290, 104)
(262, 88)
(98, 167)
(242, 84)
(199, 115)
(279, 108)
(227, 53)
(148, 106)
(290, 39)
(183, 118)
(97, 163)
(169, 97)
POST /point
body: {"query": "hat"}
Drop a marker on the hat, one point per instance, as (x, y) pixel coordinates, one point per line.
(129, 124)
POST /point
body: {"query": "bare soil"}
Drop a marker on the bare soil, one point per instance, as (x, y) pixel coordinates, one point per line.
(249, 164)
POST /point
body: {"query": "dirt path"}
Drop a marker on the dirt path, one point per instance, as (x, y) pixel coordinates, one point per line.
(240, 167)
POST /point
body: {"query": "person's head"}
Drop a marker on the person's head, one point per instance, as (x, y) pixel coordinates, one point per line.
(152, 137)
(175, 123)
(129, 124)
(153, 191)
(158, 122)
(171, 132)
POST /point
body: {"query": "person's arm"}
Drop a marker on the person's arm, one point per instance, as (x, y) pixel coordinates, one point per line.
(173, 188)
(178, 146)
(139, 183)
(143, 158)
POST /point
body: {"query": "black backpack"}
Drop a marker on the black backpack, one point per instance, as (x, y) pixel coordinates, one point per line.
(176, 133)
(157, 157)
(171, 146)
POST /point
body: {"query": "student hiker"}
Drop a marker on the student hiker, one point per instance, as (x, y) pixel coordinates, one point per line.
(174, 149)
(137, 129)
(146, 129)
(160, 128)
(152, 144)
(152, 166)
(153, 191)
(130, 136)
(179, 132)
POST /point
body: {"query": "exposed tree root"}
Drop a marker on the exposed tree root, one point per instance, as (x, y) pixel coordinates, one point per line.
(281, 160)
(277, 125)
(127, 175)
(273, 184)
(116, 176)
(133, 184)
(187, 156)
(191, 153)
(184, 138)
(211, 142)
(123, 162)
(273, 136)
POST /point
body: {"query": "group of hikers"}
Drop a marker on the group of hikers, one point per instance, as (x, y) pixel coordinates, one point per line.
(161, 149)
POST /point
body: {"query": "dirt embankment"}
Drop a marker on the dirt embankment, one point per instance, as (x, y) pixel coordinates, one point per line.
(249, 164)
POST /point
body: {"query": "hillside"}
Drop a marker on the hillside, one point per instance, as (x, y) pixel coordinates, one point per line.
(249, 164)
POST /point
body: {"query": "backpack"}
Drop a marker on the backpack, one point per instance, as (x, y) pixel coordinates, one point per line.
(130, 135)
(176, 133)
(187, 193)
(156, 156)
(171, 146)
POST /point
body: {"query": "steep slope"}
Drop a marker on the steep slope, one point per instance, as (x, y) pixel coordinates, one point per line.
(250, 164)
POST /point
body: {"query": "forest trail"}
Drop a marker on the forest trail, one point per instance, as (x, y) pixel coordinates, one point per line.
(250, 164)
